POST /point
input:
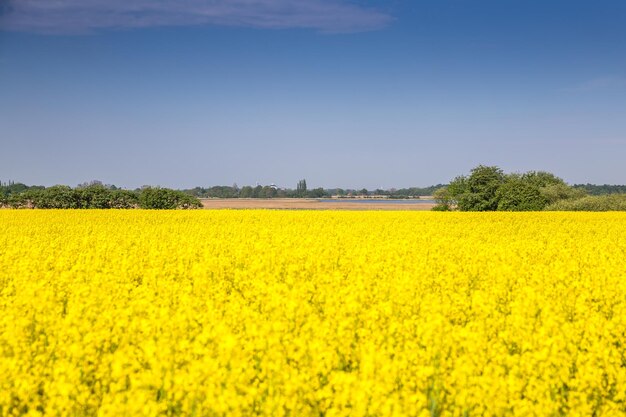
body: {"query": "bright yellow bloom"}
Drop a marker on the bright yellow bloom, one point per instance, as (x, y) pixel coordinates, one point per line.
(276, 313)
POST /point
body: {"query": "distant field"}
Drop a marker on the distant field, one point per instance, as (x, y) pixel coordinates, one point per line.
(307, 204)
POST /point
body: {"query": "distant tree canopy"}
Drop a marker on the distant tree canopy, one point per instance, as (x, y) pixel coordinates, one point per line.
(488, 188)
(10, 187)
(604, 189)
(301, 188)
(222, 191)
(97, 196)
(606, 202)
(414, 191)
(157, 198)
(302, 191)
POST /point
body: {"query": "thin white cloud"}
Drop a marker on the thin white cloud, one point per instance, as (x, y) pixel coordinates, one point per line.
(84, 16)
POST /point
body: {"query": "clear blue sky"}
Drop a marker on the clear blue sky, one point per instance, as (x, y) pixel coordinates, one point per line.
(343, 93)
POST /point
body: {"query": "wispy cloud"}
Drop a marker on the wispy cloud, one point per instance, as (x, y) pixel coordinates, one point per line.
(84, 16)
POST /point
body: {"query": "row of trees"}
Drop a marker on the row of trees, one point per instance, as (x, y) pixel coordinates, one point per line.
(301, 191)
(8, 188)
(488, 188)
(98, 196)
(604, 202)
(604, 189)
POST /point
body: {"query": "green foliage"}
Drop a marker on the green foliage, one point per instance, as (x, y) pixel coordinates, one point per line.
(301, 188)
(317, 193)
(593, 189)
(441, 207)
(123, 199)
(223, 192)
(302, 191)
(11, 194)
(17, 201)
(157, 198)
(443, 199)
(246, 192)
(487, 188)
(8, 188)
(539, 178)
(519, 194)
(478, 191)
(97, 196)
(218, 191)
(57, 197)
(265, 192)
(610, 202)
(559, 192)
(94, 196)
(413, 192)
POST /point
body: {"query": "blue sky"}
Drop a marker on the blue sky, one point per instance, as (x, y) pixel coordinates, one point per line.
(352, 94)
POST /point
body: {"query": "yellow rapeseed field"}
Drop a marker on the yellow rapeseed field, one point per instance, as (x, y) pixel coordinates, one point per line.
(301, 313)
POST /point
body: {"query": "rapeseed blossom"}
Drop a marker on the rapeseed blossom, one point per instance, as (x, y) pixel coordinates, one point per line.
(278, 313)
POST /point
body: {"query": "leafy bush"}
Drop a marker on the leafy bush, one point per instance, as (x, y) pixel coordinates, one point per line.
(57, 197)
(123, 199)
(441, 207)
(17, 201)
(481, 188)
(94, 196)
(487, 188)
(611, 202)
(476, 192)
(444, 200)
(157, 198)
(516, 194)
(557, 192)
(97, 196)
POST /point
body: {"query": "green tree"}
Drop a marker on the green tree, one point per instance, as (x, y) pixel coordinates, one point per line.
(534, 190)
(487, 188)
(270, 192)
(593, 189)
(317, 193)
(520, 194)
(443, 199)
(301, 188)
(93, 196)
(606, 202)
(246, 192)
(56, 197)
(18, 201)
(560, 192)
(478, 191)
(123, 199)
(540, 178)
(157, 198)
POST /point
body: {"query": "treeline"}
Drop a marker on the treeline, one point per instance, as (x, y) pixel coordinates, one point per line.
(488, 188)
(224, 191)
(604, 189)
(94, 196)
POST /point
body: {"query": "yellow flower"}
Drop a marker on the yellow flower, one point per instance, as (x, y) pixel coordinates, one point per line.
(275, 313)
